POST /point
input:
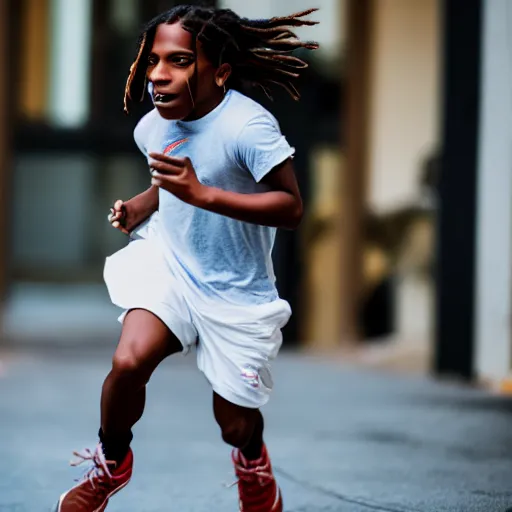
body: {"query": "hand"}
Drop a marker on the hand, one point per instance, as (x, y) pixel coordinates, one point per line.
(117, 216)
(177, 176)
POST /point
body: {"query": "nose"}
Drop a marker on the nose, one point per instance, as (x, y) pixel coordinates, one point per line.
(160, 74)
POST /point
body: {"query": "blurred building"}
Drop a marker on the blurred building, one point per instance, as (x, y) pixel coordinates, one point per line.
(429, 160)
(73, 154)
(403, 158)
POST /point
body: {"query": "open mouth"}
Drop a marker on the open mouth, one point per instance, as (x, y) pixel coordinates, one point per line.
(164, 99)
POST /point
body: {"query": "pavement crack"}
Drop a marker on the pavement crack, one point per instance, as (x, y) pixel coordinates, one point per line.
(339, 496)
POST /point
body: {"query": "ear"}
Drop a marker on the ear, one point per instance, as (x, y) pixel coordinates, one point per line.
(222, 74)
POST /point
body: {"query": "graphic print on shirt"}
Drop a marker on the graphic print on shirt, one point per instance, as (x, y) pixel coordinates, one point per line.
(180, 148)
(174, 146)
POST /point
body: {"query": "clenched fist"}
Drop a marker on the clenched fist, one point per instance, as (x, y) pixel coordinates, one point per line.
(117, 216)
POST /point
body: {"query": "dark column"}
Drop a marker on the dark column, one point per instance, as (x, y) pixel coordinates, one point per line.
(462, 32)
(354, 138)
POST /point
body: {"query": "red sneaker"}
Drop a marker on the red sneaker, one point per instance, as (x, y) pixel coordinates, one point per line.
(257, 487)
(98, 485)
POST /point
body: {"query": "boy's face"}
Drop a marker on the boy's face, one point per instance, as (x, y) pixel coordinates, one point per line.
(171, 69)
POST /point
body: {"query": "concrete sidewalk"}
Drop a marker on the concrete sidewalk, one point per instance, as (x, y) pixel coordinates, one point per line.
(341, 439)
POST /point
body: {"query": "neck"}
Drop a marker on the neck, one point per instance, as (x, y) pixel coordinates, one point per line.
(203, 108)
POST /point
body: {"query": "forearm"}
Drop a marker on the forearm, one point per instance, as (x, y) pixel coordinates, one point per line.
(140, 207)
(278, 209)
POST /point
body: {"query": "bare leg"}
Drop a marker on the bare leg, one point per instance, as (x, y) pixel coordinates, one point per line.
(145, 342)
(241, 427)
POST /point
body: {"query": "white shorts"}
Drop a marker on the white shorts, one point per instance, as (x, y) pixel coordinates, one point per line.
(235, 344)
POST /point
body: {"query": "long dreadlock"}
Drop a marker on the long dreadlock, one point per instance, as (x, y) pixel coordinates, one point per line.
(257, 50)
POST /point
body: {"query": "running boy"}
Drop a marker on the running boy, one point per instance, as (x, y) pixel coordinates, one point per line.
(198, 271)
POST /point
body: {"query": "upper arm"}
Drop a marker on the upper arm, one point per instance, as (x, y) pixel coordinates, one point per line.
(282, 178)
(261, 147)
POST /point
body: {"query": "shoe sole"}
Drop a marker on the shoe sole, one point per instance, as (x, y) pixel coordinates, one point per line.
(103, 506)
(278, 506)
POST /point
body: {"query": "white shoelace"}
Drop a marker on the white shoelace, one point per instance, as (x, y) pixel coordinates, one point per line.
(99, 469)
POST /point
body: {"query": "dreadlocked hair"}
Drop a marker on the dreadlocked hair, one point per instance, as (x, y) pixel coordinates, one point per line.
(257, 50)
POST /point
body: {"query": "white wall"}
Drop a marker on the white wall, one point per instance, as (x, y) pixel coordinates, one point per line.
(70, 62)
(494, 223)
(404, 98)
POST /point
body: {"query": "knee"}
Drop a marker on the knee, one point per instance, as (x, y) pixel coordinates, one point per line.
(238, 432)
(126, 365)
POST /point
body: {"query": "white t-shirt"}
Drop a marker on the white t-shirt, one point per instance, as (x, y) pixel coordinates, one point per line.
(232, 148)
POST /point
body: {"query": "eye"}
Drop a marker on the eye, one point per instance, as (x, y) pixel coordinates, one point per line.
(152, 60)
(181, 61)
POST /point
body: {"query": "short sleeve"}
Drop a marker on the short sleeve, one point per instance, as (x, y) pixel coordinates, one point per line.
(142, 131)
(261, 146)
